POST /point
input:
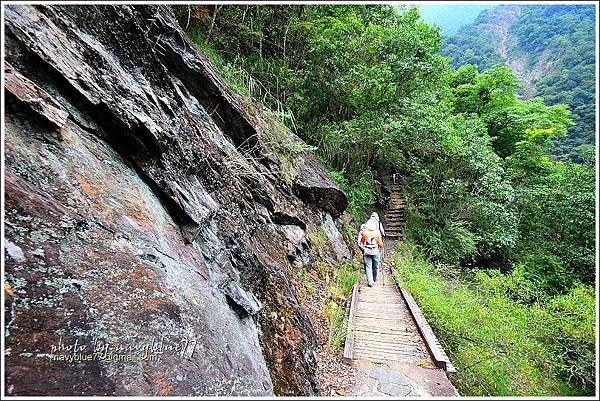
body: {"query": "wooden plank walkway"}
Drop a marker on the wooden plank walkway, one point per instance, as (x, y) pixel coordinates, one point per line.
(388, 335)
(383, 328)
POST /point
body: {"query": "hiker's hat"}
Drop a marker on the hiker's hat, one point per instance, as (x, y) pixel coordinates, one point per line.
(371, 224)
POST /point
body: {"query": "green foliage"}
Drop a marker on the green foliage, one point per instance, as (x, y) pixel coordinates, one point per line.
(460, 199)
(307, 286)
(492, 96)
(361, 196)
(554, 45)
(556, 203)
(340, 279)
(367, 89)
(338, 321)
(344, 277)
(503, 335)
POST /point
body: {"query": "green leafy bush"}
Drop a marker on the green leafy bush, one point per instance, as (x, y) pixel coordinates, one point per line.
(344, 277)
(504, 337)
(360, 192)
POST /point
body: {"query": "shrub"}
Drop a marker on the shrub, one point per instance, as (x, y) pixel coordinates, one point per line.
(360, 192)
(503, 336)
(344, 277)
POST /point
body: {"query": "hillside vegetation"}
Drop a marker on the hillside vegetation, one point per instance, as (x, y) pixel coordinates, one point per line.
(367, 87)
(552, 50)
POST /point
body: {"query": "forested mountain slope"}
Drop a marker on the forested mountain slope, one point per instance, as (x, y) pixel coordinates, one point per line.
(550, 47)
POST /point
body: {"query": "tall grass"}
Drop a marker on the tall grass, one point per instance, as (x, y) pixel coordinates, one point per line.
(503, 336)
(340, 287)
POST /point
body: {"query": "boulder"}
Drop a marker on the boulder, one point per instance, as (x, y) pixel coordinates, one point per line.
(315, 187)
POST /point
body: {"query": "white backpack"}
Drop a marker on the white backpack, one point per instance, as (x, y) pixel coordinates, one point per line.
(371, 247)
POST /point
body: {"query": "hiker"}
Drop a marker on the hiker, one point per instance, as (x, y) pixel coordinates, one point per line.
(375, 217)
(370, 243)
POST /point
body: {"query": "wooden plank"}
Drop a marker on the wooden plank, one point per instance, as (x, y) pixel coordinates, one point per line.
(396, 301)
(379, 298)
(349, 344)
(389, 357)
(379, 295)
(376, 337)
(375, 329)
(402, 343)
(388, 351)
(382, 309)
(362, 315)
(411, 349)
(393, 303)
(373, 324)
(383, 337)
(440, 358)
(396, 343)
(378, 291)
(383, 320)
(379, 316)
(399, 317)
(397, 314)
(363, 348)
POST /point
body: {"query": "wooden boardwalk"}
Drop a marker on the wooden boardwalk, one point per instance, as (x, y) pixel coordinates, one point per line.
(387, 333)
(384, 329)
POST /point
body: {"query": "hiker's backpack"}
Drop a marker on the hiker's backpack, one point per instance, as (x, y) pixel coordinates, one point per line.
(371, 247)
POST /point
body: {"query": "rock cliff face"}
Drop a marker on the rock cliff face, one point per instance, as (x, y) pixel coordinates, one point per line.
(147, 217)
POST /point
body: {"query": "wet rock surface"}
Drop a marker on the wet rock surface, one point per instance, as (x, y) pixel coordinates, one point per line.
(134, 218)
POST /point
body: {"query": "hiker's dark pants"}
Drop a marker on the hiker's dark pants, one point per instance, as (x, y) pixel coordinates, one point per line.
(371, 266)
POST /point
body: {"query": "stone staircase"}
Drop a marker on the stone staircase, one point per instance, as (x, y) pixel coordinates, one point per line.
(395, 221)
